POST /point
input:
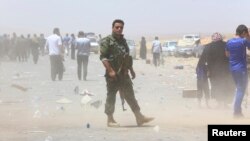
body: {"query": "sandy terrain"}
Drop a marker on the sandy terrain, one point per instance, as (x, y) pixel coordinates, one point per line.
(34, 115)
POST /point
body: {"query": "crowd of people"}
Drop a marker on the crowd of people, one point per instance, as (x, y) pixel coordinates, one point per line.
(20, 48)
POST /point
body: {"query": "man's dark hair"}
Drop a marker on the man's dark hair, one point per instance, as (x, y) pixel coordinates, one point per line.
(241, 29)
(56, 31)
(117, 21)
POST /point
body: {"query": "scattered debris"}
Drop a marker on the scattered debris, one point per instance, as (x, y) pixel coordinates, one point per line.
(60, 108)
(76, 90)
(88, 125)
(96, 104)
(156, 128)
(37, 114)
(49, 138)
(142, 73)
(86, 99)
(26, 132)
(16, 76)
(64, 101)
(86, 92)
(19, 87)
(189, 93)
(179, 67)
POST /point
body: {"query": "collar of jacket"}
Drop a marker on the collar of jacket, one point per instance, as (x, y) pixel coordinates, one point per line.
(116, 37)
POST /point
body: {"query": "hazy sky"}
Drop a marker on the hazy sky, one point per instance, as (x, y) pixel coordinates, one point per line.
(142, 17)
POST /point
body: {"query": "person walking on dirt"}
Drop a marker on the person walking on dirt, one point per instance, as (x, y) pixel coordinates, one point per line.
(236, 51)
(114, 54)
(82, 45)
(156, 50)
(56, 50)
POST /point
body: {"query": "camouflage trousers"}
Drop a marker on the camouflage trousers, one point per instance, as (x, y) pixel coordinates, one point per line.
(124, 85)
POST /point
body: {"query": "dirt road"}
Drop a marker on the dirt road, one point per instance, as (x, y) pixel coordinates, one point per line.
(31, 112)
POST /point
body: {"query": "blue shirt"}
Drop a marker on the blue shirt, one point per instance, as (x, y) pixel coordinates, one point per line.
(83, 46)
(237, 50)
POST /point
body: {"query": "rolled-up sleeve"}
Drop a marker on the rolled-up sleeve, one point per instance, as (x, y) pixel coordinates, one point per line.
(104, 49)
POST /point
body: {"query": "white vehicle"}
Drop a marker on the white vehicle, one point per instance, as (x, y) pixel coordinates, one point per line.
(193, 37)
(186, 45)
(132, 48)
(188, 40)
(169, 47)
(94, 45)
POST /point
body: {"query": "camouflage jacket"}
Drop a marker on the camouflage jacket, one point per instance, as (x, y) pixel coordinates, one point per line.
(116, 51)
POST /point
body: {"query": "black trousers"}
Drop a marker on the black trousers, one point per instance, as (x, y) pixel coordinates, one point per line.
(203, 88)
(56, 62)
(82, 62)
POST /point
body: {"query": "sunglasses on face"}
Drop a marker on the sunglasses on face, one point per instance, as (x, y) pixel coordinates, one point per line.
(117, 27)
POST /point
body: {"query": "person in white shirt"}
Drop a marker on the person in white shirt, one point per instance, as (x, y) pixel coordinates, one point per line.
(55, 48)
(156, 50)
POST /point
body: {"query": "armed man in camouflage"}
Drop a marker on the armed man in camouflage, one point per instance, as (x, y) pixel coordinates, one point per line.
(115, 58)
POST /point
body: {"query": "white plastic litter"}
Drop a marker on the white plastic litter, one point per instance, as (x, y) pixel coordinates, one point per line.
(96, 104)
(86, 92)
(64, 101)
(37, 114)
(49, 138)
(156, 128)
(86, 99)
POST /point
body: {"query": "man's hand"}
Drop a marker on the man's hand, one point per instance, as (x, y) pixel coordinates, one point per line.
(112, 74)
(132, 72)
(227, 53)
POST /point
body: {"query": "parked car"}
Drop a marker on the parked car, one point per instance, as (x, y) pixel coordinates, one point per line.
(194, 37)
(189, 40)
(94, 45)
(186, 51)
(185, 47)
(169, 48)
(132, 48)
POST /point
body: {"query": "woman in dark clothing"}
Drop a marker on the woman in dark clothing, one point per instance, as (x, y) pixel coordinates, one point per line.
(143, 48)
(202, 81)
(222, 86)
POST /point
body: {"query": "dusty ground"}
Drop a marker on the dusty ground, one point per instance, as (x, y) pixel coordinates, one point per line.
(34, 115)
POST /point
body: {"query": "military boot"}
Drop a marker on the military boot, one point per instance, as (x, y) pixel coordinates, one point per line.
(141, 119)
(111, 122)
